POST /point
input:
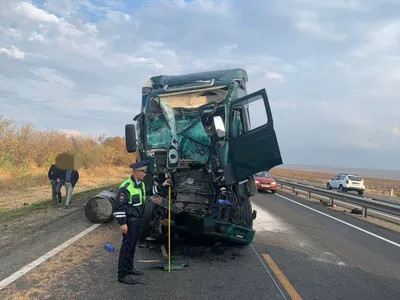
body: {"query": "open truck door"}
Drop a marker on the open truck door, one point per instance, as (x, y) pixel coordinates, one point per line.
(255, 148)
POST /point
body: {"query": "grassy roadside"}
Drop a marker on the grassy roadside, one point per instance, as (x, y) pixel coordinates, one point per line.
(88, 180)
(78, 197)
(375, 186)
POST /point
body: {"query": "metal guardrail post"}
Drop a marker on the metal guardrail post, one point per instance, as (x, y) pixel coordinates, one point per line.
(364, 211)
(391, 210)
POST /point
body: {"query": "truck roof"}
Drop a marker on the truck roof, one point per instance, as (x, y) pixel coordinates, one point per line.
(184, 79)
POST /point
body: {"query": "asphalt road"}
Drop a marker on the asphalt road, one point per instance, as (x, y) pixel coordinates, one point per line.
(389, 199)
(298, 253)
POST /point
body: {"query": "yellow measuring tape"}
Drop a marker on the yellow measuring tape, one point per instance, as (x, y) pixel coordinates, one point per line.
(169, 228)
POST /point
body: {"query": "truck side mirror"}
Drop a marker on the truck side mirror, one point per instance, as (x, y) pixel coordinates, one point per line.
(130, 138)
(219, 126)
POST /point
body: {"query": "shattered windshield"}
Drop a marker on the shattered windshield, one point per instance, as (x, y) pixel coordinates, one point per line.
(193, 141)
(164, 122)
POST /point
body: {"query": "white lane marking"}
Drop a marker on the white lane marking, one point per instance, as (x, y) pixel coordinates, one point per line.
(341, 221)
(265, 221)
(45, 257)
(265, 267)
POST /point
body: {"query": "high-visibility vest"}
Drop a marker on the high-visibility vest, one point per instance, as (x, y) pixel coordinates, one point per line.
(130, 186)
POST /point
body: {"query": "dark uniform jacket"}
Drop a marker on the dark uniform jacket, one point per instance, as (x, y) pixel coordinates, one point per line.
(127, 207)
(54, 172)
(124, 209)
(74, 177)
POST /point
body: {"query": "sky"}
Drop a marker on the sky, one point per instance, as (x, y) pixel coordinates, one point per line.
(331, 68)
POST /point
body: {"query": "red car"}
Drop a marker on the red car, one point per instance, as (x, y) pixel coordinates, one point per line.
(265, 182)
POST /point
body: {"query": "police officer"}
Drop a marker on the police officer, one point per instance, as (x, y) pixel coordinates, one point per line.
(128, 213)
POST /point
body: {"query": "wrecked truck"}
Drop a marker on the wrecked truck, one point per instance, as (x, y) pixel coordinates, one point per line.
(205, 132)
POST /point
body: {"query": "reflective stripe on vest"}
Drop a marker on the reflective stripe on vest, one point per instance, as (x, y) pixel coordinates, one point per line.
(134, 191)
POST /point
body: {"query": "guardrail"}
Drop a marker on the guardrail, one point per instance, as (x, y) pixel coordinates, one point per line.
(378, 209)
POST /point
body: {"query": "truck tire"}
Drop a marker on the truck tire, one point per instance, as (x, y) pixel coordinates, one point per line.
(247, 212)
(148, 216)
(100, 208)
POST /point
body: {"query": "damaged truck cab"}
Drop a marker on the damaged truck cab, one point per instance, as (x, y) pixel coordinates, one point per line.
(209, 136)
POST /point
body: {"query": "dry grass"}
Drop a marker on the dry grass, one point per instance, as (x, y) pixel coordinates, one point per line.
(373, 185)
(12, 199)
(26, 155)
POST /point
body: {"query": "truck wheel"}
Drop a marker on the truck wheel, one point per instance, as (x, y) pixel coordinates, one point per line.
(148, 216)
(247, 212)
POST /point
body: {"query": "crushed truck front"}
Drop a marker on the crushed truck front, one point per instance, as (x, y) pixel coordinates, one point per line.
(193, 128)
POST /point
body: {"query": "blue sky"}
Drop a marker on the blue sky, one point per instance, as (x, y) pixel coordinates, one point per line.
(331, 68)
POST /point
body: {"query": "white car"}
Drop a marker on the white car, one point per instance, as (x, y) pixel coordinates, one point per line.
(347, 182)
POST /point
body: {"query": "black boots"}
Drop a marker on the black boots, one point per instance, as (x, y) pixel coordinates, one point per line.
(135, 272)
(127, 280)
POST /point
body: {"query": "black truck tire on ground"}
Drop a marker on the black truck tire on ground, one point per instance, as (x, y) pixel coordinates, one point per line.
(99, 209)
(148, 216)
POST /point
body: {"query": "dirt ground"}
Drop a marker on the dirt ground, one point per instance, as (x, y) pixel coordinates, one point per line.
(376, 186)
(13, 199)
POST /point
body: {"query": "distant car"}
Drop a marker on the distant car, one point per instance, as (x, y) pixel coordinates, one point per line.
(265, 182)
(347, 182)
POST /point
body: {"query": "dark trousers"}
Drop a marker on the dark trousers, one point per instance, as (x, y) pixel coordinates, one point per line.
(56, 191)
(127, 251)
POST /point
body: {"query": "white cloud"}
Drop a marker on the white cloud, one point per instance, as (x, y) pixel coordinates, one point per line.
(382, 39)
(343, 66)
(273, 75)
(281, 104)
(81, 64)
(28, 11)
(12, 51)
(335, 4)
(53, 77)
(36, 37)
(310, 22)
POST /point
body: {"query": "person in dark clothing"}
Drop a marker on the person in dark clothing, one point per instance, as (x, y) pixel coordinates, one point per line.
(54, 174)
(129, 211)
(69, 178)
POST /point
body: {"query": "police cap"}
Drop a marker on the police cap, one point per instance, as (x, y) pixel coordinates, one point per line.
(140, 165)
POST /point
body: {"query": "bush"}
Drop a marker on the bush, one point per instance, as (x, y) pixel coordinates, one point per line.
(26, 153)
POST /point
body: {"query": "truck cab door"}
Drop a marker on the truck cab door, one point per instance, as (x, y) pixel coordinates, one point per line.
(255, 148)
